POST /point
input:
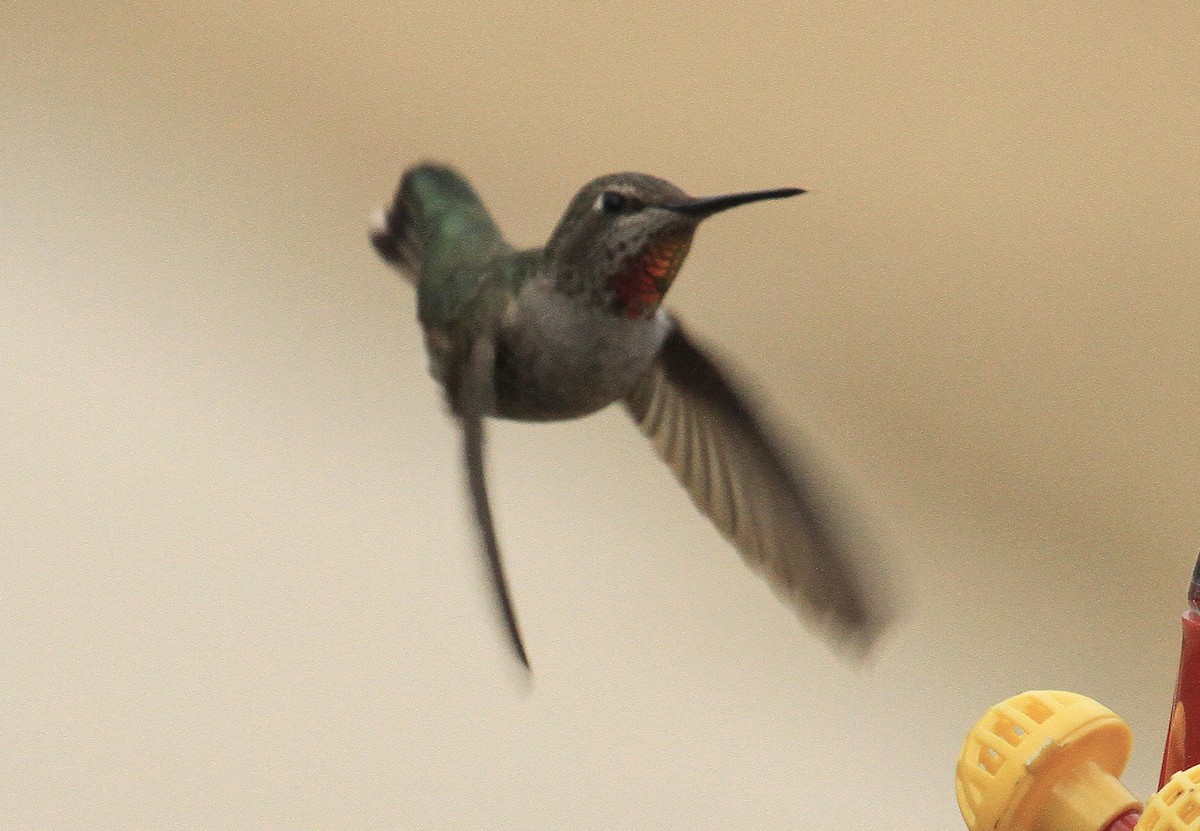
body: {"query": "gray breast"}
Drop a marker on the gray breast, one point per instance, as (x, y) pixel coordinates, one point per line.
(558, 358)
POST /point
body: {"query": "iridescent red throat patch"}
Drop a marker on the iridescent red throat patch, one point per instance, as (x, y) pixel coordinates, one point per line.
(645, 277)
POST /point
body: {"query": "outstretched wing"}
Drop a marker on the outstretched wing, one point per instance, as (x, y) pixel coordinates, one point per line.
(474, 400)
(736, 475)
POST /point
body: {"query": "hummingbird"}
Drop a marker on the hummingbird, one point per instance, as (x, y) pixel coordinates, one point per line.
(562, 331)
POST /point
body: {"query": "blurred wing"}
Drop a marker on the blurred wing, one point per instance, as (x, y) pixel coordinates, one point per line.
(474, 400)
(735, 474)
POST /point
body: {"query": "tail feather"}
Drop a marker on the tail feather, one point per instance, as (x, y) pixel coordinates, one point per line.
(435, 216)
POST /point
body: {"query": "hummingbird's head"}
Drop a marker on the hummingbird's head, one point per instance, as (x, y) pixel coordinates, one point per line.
(624, 238)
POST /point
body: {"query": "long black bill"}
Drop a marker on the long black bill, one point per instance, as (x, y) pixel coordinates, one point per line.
(709, 205)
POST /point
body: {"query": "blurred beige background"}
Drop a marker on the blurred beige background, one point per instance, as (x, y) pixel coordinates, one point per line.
(238, 585)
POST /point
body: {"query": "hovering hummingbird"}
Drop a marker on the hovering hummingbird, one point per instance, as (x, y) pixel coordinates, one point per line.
(564, 330)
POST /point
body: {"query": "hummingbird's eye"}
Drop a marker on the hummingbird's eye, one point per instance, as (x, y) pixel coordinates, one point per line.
(614, 202)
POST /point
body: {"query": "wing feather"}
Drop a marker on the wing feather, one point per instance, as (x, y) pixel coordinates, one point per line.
(473, 402)
(735, 473)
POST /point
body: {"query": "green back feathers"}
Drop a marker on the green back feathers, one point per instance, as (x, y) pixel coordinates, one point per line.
(436, 221)
(439, 233)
